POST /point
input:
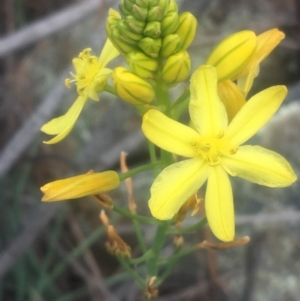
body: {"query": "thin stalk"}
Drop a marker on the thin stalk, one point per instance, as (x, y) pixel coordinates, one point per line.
(137, 170)
(134, 216)
(139, 235)
(157, 245)
(190, 229)
(132, 272)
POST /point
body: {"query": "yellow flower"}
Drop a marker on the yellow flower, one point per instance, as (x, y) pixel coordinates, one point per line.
(215, 151)
(79, 186)
(90, 79)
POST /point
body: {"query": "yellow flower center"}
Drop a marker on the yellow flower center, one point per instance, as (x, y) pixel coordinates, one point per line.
(211, 149)
(87, 67)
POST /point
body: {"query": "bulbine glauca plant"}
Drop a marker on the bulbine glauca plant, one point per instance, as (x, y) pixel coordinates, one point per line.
(153, 39)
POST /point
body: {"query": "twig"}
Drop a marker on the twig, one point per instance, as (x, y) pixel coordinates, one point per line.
(48, 26)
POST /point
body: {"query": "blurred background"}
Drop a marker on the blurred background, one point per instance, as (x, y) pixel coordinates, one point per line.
(56, 251)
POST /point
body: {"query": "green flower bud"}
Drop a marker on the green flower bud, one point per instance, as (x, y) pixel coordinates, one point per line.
(135, 25)
(125, 30)
(112, 20)
(132, 88)
(157, 13)
(139, 12)
(142, 3)
(152, 30)
(124, 45)
(123, 8)
(171, 44)
(169, 23)
(141, 64)
(127, 4)
(150, 46)
(153, 2)
(173, 6)
(177, 68)
(187, 29)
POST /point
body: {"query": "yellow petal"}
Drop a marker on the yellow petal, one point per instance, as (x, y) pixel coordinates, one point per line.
(207, 112)
(109, 52)
(266, 42)
(255, 113)
(233, 53)
(63, 125)
(79, 186)
(245, 82)
(259, 165)
(219, 204)
(231, 97)
(169, 134)
(174, 185)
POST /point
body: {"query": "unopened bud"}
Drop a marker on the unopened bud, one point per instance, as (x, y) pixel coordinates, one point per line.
(124, 8)
(123, 44)
(139, 12)
(141, 64)
(170, 23)
(132, 88)
(177, 68)
(152, 29)
(112, 20)
(186, 29)
(173, 6)
(150, 46)
(127, 32)
(157, 13)
(232, 54)
(171, 44)
(135, 25)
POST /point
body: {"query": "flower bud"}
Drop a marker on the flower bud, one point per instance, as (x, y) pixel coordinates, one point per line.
(127, 32)
(186, 29)
(143, 3)
(139, 12)
(112, 20)
(177, 68)
(153, 29)
(122, 43)
(141, 64)
(232, 54)
(124, 8)
(157, 13)
(171, 44)
(150, 46)
(173, 6)
(169, 23)
(132, 88)
(135, 25)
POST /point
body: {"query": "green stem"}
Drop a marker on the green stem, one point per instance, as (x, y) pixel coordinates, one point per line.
(157, 245)
(134, 216)
(137, 170)
(142, 258)
(153, 158)
(186, 94)
(139, 235)
(110, 90)
(172, 261)
(190, 229)
(163, 98)
(132, 272)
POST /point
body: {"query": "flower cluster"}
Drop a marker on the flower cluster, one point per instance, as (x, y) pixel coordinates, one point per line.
(153, 38)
